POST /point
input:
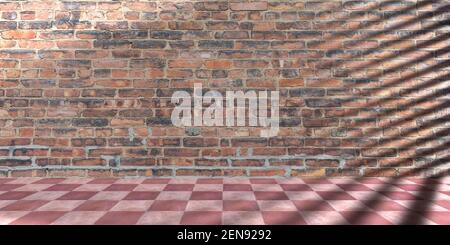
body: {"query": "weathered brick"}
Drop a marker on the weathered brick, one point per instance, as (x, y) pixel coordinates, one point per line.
(246, 6)
(90, 84)
(18, 34)
(90, 122)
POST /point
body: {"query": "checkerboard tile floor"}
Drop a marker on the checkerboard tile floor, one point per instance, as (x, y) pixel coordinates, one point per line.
(224, 201)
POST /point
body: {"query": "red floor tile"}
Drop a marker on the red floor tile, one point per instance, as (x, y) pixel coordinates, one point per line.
(209, 181)
(9, 187)
(439, 217)
(5, 180)
(263, 181)
(220, 201)
(354, 187)
(179, 187)
(156, 181)
(78, 195)
(364, 218)
(443, 203)
(96, 205)
(398, 195)
(15, 195)
(317, 181)
(120, 218)
(49, 181)
(62, 187)
(38, 218)
(412, 187)
(270, 195)
(24, 205)
(237, 187)
(295, 187)
(120, 187)
(103, 181)
(335, 195)
(382, 205)
(168, 205)
(312, 205)
(240, 205)
(202, 218)
(206, 195)
(142, 195)
(283, 218)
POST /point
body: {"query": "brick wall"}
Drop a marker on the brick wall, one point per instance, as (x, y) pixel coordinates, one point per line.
(85, 86)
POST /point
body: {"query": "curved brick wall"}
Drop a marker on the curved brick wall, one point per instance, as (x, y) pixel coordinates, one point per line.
(85, 86)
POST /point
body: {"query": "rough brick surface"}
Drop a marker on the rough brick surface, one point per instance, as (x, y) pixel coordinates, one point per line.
(85, 86)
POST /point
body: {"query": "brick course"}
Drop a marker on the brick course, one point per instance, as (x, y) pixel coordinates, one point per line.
(85, 86)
